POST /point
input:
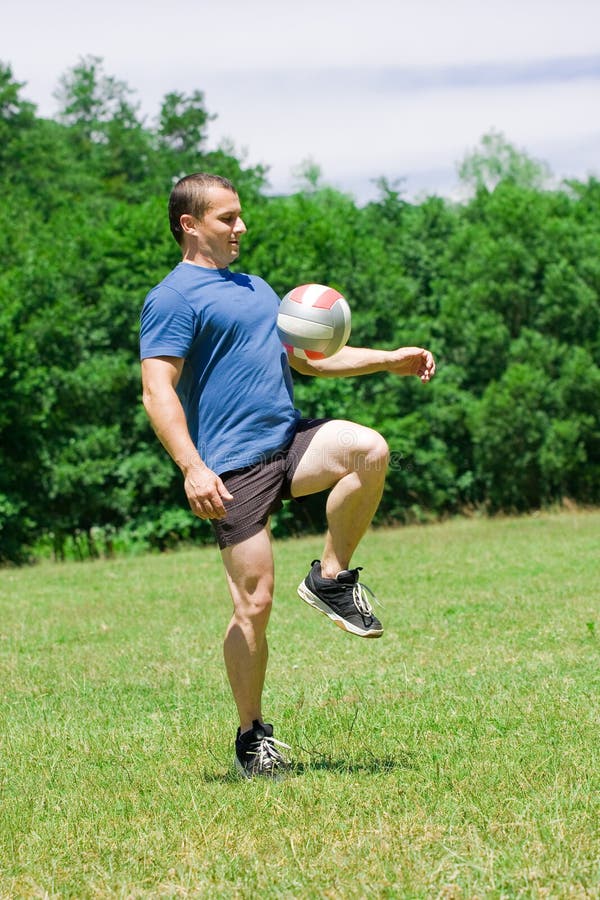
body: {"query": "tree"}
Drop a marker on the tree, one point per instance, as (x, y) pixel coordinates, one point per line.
(183, 122)
(90, 100)
(498, 160)
(104, 127)
(16, 114)
(504, 289)
(508, 427)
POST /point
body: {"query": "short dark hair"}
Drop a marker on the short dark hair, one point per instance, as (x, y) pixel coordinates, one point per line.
(190, 197)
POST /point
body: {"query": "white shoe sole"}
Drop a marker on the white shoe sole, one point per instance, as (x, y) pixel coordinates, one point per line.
(281, 774)
(312, 600)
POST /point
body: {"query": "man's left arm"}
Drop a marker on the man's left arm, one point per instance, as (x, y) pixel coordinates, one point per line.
(365, 361)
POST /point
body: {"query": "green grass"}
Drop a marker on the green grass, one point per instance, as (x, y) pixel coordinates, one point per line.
(458, 757)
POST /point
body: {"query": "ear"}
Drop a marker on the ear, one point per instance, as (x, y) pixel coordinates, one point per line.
(188, 223)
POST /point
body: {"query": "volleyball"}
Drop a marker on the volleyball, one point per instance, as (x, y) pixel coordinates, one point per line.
(314, 321)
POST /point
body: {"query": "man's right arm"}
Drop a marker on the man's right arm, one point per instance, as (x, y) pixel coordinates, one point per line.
(204, 489)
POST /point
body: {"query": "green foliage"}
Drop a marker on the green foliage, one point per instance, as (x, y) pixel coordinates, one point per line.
(504, 289)
(83, 237)
(496, 161)
(508, 428)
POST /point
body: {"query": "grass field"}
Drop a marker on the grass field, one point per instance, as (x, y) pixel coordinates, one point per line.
(457, 757)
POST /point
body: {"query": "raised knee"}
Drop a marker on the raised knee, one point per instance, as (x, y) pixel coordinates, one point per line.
(378, 453)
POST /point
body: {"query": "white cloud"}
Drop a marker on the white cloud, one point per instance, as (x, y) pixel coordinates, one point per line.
(362, 133)
(394, 87)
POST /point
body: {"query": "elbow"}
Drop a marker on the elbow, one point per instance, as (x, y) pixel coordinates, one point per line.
(307, 367)
(157, 399)
(148, 400)
(146, 396)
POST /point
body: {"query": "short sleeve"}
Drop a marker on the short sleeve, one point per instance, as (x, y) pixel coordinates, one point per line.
(167, 325)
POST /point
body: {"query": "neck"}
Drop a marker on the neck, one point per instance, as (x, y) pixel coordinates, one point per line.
(197, 259)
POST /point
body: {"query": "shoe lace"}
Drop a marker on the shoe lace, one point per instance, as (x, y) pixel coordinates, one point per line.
(266, 755)
(361, 600)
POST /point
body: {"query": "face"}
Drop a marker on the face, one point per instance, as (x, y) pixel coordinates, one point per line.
(213, 241)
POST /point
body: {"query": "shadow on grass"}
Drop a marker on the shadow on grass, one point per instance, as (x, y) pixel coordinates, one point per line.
(369, 766)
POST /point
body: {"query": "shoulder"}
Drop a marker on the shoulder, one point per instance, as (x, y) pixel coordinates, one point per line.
(163, 296)
(168, 296)
(167, 322)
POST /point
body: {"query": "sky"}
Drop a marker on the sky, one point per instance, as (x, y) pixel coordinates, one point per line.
(401, 89)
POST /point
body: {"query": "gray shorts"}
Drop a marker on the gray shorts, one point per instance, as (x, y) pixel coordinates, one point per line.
(258, 490)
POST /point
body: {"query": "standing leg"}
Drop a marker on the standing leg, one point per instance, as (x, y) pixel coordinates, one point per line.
(250, 576)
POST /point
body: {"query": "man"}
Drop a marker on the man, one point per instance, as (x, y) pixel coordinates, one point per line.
(218, 391)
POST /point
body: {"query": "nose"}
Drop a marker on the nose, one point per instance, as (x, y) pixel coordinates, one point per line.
(240, 227)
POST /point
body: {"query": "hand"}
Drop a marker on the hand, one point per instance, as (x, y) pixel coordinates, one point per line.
(412, 361)
(205, 492)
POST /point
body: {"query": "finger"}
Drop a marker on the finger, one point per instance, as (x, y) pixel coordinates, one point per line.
(198, 510)
(429, 364)
(207, 511)
(218, 512)
(215, 506)
(203, 508)
(223, 492)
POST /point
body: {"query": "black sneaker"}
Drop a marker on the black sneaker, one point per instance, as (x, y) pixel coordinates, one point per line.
(343, 598)
(256, 753)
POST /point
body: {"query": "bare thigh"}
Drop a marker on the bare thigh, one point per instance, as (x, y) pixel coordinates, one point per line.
(338, 447)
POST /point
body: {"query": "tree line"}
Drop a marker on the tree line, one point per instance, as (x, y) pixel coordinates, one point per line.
(503, 287)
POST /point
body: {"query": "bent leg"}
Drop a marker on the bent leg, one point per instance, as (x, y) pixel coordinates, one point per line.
(250, 577)
(351, 460)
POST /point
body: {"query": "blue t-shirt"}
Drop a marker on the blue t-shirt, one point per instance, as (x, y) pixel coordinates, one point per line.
(236, 386)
